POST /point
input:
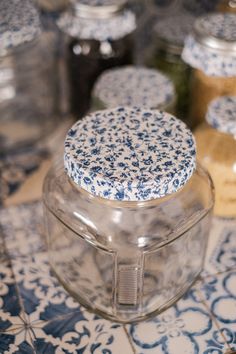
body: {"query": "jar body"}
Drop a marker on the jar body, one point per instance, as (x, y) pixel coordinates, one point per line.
(86, 60)
(126, 260)
(217, 153)
(179, 72)
(28, 92)
(206, 88)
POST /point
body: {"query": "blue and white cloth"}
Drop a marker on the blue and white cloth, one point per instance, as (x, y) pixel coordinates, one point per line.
(129, 153)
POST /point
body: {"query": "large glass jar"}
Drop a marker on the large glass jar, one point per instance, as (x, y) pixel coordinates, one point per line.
(127, 217)
(216, 141)
(134, 86)
(97, 38)
(27, 77)
(169, 35)
(211, 51)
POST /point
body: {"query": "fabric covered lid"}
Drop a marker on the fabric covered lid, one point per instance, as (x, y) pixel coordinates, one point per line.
(212, 45)
(19, 24)
(130, 154)
(221, 114)
(134, 86)
(100, 29)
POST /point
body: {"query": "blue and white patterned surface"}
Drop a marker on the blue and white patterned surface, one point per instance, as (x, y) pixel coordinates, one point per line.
(38, 316)
(221, 114)
(104, 29)
(215, 28)
(21, 24)
(128, 153)
(134, 86)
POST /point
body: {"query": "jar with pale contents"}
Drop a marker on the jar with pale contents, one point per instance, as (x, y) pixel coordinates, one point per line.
(98, 35)
(134, 86)
(127, 217)
(28, 78)
(216, 142)
(211, 51)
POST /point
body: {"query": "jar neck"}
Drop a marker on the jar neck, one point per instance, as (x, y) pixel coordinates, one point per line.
(97, 12)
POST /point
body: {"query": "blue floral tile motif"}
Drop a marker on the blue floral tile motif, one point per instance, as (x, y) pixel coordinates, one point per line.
(21, 24)
(221, 114)
(221, 253)
(217, 60)
(22, 229)
(128, 153)
(111, 28)
(134, 86)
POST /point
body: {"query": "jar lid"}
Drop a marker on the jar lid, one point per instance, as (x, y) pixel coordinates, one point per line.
(98, 8)
(20, 24)
(130, 154)
(172, 30)
(221, 114)
(100, 29)
(212, 45)
(134, 86)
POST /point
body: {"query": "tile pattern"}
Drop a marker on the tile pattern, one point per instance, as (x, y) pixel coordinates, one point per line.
(38, 316)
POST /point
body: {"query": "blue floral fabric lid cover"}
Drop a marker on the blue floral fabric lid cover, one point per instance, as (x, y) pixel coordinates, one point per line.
(130, 154)
(19, 24)
(212, 45)
(221, 114)
(115, 26)
(134, 86)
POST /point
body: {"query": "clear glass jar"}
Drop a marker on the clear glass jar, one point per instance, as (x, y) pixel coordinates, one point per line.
(96, 38)
(216, 142)
(169, 38)
(134, 86)
(127, 218)
(28, 87)
(211, 51)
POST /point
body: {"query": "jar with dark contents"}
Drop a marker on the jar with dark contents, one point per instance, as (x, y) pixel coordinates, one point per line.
(127, 217)
(169, 35)
(216, 141)
(134, 86)
(28, 88)
(99, 35)
(211, 51)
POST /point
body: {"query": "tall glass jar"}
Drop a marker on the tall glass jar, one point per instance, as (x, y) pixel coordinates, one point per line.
(97, 38)
(127, 217)
(216, 141)
(27, 78)
(134, 86)
(169, 35)
(211, 51)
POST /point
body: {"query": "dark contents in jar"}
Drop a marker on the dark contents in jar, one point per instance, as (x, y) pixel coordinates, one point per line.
(87, 60)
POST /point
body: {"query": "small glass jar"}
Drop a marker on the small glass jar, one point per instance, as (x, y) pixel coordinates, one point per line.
(216, 141)
(98, 36)
(169, 35)
(134, 86)
(127, 217)
(211, 51)
(27, 78)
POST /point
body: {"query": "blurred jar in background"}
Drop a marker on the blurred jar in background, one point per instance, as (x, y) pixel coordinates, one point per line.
(169, 35)
(52, 5)
(216, 142)
(27, 77)
(134, 86)
(99, 35)
(211, 51)
(227, 6)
